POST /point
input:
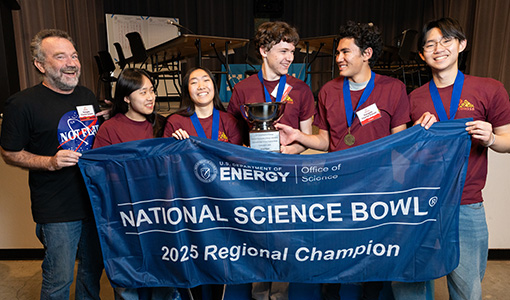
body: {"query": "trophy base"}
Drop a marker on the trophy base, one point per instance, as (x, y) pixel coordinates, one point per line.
(267, 140)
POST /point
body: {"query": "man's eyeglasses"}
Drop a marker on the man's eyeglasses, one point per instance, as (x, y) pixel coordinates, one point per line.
(445, 42)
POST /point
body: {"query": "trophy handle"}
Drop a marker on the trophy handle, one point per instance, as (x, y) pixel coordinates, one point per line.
(243, 111)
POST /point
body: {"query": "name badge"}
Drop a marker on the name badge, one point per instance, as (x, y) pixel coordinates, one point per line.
(86, 112)
(368, 114)
(286, 91)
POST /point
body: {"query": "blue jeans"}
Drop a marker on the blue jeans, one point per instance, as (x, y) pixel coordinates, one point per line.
(64, 243)
(465, 282)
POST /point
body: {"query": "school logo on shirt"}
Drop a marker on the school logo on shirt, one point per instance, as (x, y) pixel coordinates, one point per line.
(289, 100)
(222, 137)
(466, 105)
(75, 133)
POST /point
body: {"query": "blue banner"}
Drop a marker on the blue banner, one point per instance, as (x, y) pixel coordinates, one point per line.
(192, 212)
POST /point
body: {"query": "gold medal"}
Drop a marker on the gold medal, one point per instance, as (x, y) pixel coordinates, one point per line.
(349, 138)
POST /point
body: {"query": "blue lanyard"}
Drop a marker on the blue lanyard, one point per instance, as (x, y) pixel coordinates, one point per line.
(215, 125)
(281, 87)
(349, 113)
(454, 101)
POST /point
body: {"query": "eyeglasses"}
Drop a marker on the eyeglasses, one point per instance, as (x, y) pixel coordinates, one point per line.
(445, 42)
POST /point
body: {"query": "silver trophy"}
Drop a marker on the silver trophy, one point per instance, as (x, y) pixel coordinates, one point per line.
(262, 116)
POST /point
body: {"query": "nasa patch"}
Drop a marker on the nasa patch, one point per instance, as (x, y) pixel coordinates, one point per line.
(76, 134)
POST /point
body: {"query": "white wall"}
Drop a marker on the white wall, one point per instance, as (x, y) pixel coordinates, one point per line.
(497, 204)
(17, 228)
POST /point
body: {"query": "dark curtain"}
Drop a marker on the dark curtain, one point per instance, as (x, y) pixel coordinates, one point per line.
(315, 18)
(486, 23)
(322, 18)
(9, 73)
(491, 40)
(83, 20)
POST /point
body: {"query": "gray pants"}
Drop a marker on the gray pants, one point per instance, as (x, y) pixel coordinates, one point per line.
(270, 290)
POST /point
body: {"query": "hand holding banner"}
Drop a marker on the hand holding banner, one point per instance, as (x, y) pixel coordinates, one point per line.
(192, 212)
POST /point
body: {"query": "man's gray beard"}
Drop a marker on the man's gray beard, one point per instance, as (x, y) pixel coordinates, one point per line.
(62, 85)
(56, 80)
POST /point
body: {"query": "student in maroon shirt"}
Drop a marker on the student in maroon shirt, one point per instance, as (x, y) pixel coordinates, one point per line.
(133, 118)
(452, 95)
(343, 105)
(203, 115)
(276, 43)
(202, 112)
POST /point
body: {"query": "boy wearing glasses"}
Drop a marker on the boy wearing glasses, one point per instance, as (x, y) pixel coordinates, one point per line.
(453, 95)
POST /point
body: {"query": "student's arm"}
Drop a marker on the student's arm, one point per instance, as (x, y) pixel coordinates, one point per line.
(398, 128)
(27, 160)
(296, 148)
(289, 135)
(498, 140)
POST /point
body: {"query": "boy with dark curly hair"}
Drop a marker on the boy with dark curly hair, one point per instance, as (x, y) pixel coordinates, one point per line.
(356, 108)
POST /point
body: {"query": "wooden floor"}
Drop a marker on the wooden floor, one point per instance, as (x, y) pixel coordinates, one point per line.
(21, 280)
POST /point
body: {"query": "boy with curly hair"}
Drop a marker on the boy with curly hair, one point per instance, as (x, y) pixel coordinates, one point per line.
(356, 108)
(276, 42)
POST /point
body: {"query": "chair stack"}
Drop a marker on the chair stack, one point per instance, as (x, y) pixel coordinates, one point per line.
(158, 72)
(401, 62)
(106, 67)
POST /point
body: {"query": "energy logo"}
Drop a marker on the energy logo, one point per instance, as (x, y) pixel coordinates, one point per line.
(205, 171)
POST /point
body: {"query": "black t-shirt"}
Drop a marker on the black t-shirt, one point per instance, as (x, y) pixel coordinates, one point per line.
(41, 121)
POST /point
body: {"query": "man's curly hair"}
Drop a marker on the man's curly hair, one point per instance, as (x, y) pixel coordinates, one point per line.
(35, 45)
(365, 35)
(271, 33)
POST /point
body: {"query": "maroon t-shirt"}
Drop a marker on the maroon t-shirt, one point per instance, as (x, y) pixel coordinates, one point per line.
(300, 102)
(482, 99)
(390, 97)
(121, 129)
(228, 130)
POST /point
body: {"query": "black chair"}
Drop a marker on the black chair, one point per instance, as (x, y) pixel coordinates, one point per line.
(412, 65)
(108, 67)
(120, 54)
(399, 61)
(138, 51)
(100, 71)
(105, 67)
(406, 43)
(106, 61)
(158, 72)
